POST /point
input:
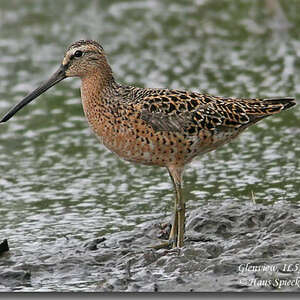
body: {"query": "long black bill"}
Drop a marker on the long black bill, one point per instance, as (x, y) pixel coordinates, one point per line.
(58, 76)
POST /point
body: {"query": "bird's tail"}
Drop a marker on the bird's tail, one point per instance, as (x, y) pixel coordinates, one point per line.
(273, 106)
(257, 109)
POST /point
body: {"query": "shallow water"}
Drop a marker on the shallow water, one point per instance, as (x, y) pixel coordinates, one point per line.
(60, 189)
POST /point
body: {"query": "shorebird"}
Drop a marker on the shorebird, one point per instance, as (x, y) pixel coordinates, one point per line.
(154, 126)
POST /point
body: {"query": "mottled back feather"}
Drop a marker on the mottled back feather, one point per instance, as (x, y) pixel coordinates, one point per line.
(190, 112)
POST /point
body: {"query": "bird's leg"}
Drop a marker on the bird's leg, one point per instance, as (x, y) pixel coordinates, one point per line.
(177, 231)
(174, 228)
(181, 217)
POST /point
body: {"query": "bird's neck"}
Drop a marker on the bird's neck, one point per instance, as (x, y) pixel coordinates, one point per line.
(97, 80)
(97, 86)
(97, 91)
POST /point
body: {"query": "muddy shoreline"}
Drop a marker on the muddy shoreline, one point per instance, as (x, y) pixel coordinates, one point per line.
(237, 247)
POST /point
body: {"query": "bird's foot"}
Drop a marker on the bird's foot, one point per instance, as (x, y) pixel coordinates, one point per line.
(164, 245)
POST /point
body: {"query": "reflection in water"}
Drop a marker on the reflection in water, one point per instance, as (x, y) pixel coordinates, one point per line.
(60, 187)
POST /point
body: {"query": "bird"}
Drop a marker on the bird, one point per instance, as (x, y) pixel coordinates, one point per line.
(154, 126)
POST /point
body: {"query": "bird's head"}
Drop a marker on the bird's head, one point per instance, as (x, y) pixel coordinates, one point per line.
(82, 58)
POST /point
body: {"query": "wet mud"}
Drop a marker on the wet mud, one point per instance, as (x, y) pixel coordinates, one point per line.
(228, 247)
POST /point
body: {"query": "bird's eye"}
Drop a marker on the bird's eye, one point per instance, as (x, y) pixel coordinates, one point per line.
(78, 53)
